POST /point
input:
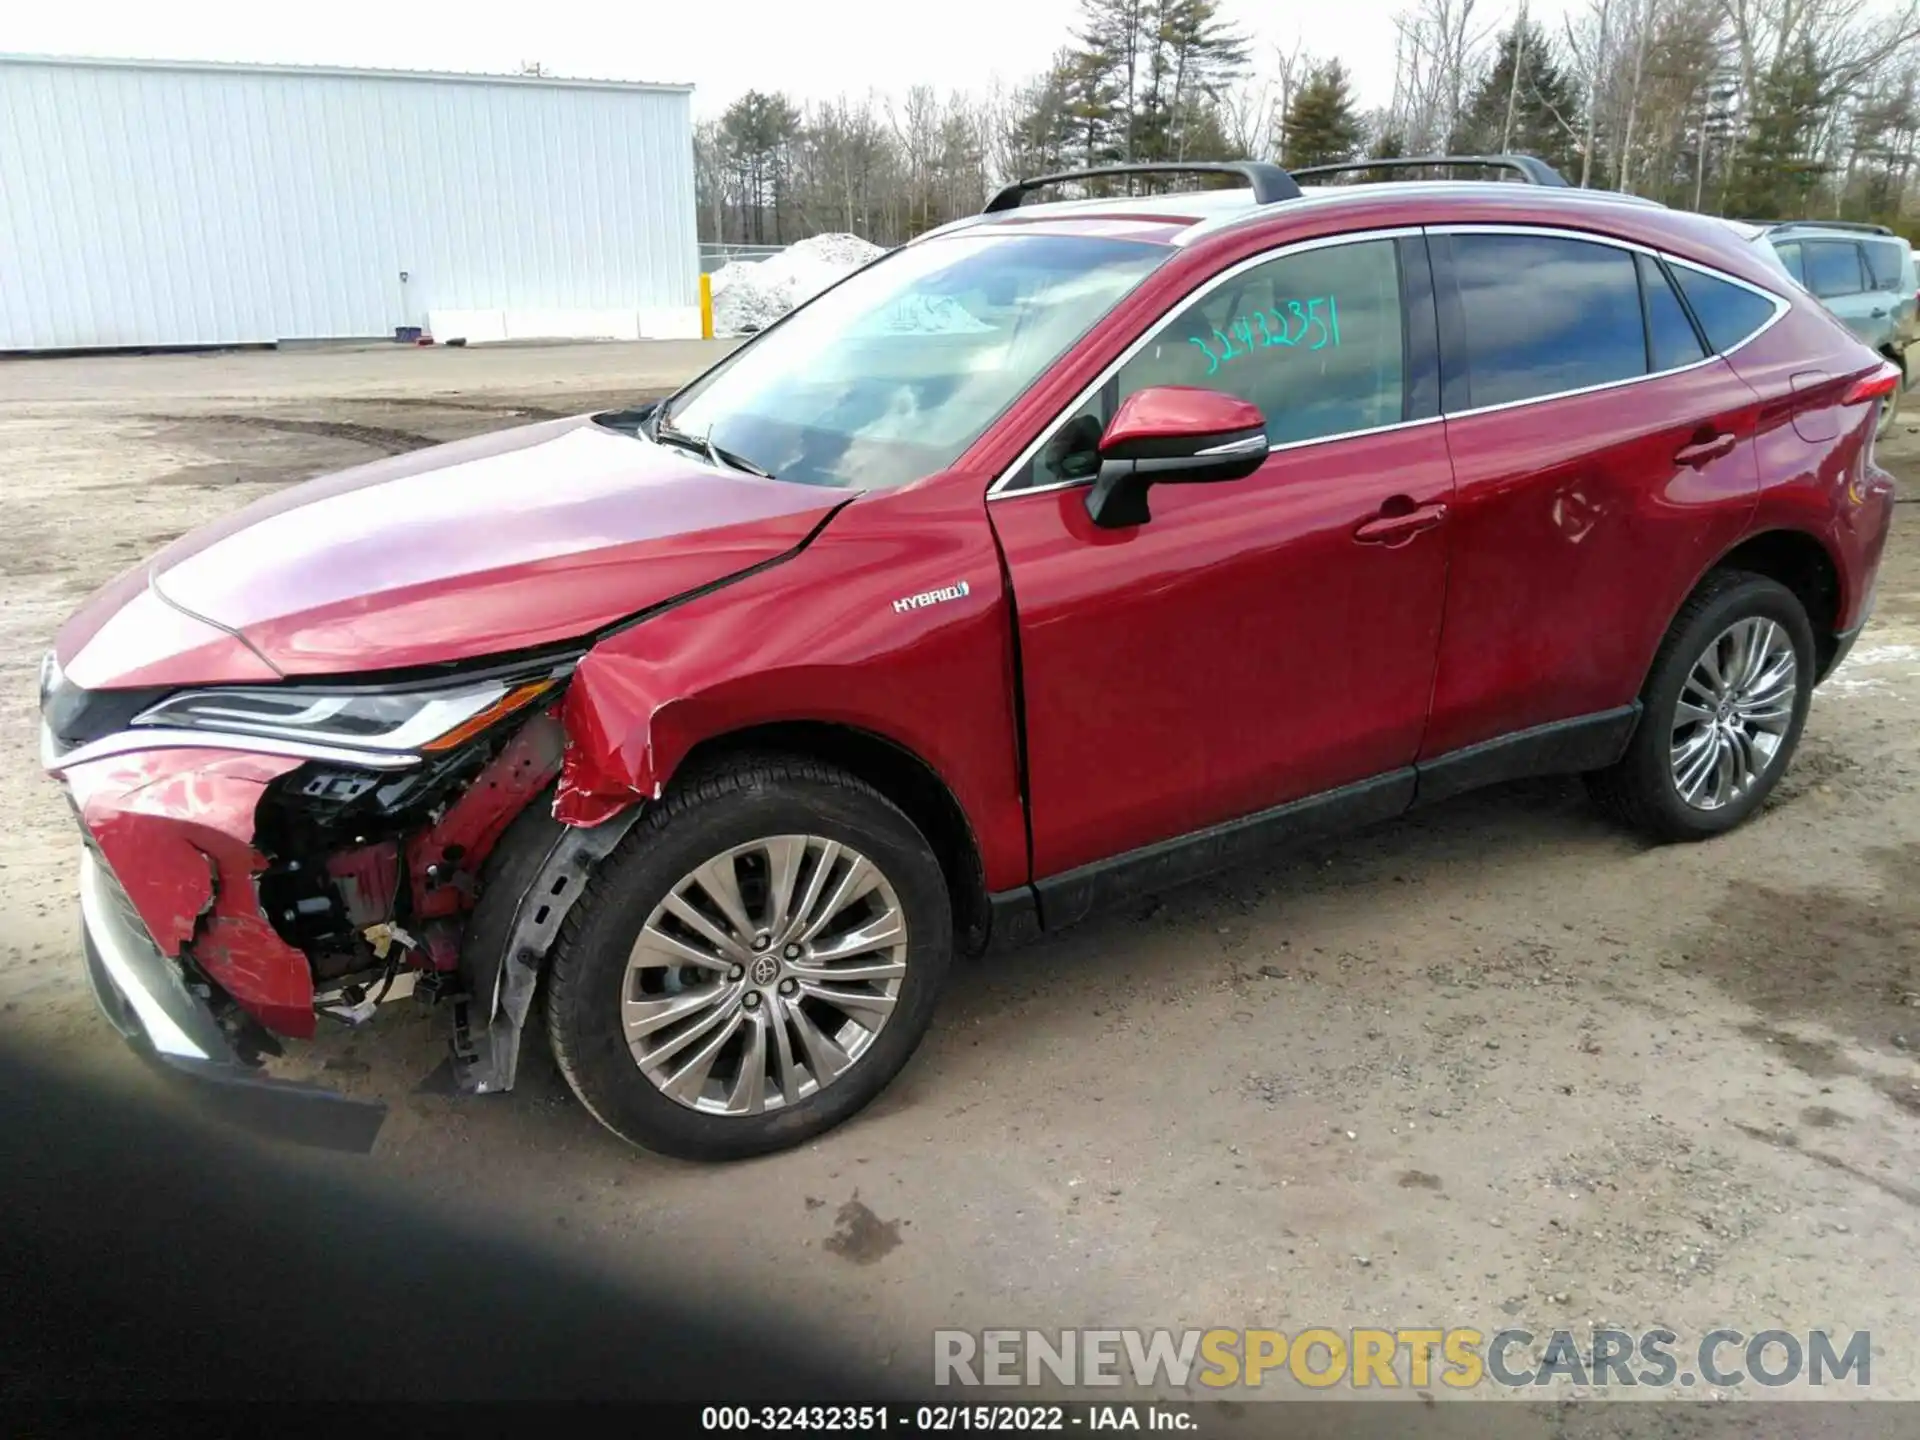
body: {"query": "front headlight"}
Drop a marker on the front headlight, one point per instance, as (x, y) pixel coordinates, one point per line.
(384, 722)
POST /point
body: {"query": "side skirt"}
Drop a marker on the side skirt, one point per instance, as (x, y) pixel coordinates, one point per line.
(1566, 747)
(1069, 898)
(1588, 742)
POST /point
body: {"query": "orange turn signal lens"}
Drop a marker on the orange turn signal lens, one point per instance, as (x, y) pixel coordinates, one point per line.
(517, 698)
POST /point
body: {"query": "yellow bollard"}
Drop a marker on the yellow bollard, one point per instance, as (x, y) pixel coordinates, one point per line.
(706, 307)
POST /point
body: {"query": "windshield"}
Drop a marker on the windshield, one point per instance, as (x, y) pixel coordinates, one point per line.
(893, 373)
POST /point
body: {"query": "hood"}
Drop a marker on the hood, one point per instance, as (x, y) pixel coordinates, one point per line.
(505, 542)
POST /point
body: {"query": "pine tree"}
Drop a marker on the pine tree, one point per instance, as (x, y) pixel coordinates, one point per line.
(1390, 146)
(1198, 56)
(1095, 128)
(757, 133)
(1106, 68)
(1777, 171)
(1038, 136)
(1544, 104)
(1143, 79)
(1322, 124)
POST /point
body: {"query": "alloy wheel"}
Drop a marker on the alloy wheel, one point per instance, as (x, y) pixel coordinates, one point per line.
(764, 975)
(1733, 714)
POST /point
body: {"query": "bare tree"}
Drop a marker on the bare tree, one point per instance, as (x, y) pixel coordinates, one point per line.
(1437, 51)
(1251, 111)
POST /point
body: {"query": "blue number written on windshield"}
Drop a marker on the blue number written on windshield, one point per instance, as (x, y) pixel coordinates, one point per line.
(1308, 324)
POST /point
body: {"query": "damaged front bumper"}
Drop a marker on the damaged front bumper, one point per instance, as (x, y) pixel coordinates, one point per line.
(147, 999)
(228, 888)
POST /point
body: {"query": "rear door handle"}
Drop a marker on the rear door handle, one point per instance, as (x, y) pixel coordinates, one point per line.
(1878, 314)
(1398, 528)
(1704, 452)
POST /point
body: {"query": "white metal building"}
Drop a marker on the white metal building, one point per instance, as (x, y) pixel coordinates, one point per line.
(173, 203)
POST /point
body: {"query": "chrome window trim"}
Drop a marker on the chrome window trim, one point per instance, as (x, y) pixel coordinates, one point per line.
(1193, 296)
(1780, 307)
(1581, 390)
(1779, 302)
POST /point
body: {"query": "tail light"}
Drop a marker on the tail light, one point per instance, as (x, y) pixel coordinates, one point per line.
(1876, 384)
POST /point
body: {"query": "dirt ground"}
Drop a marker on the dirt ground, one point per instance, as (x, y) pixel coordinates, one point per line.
(1496, 1064)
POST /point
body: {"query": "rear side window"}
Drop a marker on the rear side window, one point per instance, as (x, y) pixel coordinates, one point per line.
(1544, 315)
(1790, 257)
(1729, 313)
(1670, 337)
(1885, 264)
(1833, 268)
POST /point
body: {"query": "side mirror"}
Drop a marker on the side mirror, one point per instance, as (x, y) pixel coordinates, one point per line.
(1172, 435)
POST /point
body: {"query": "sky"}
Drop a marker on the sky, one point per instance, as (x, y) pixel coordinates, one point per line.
(813, 49)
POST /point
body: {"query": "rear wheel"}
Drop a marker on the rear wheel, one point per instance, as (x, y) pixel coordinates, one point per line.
(1723, 711)
(754, 964)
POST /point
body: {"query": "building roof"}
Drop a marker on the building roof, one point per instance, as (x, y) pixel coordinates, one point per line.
(242, 67)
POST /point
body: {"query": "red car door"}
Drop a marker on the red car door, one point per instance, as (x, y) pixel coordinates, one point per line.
(1604, 459)
(1260, 640)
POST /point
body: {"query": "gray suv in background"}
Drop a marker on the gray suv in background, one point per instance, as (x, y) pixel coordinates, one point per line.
(1864, 274)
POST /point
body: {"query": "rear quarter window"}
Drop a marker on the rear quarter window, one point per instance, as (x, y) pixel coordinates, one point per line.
(1790, 257)
(1727, 312)
(1886, 262)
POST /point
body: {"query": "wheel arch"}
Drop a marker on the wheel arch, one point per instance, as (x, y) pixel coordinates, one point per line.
(898, 773)
(1803, 563)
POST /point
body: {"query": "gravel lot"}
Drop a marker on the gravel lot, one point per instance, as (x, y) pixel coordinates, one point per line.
(1496, 1064)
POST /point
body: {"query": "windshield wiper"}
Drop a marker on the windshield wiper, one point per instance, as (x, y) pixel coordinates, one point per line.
(738, 462)
(703, 445)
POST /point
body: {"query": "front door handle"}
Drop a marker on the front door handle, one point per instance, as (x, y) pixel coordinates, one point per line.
(1879, 314)
(1394, 526)
(1705, 451)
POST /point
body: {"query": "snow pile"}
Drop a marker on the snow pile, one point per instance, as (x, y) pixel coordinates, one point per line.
(751, 295)
(927, 315)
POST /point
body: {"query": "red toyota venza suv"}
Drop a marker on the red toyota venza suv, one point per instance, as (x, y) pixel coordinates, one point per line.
(1069, 551)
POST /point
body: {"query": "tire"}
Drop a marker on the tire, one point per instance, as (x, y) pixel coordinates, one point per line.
(1643, 788)
(745, 821)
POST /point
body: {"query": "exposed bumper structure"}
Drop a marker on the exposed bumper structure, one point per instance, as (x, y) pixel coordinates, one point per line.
(147, 999)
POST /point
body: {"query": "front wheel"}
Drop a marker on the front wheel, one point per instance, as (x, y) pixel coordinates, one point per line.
(753, 964)
(1723, 710)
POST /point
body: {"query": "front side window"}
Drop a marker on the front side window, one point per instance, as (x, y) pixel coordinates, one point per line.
(1544, 315)
(1729, 313)
(1314, 338)
(1833, 268)
(892, 374)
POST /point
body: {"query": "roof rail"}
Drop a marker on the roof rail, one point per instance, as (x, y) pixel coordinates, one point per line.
(1268, 182)
(1530, 168)
(1861, 226)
